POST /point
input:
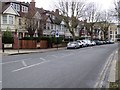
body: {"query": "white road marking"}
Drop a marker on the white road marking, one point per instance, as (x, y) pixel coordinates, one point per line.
(0, 81)
(103, 73)
(15, 61)
(24, 64)
(43, 59)
(29, 66)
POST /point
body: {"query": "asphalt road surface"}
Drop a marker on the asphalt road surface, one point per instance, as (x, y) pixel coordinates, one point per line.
(76, 68)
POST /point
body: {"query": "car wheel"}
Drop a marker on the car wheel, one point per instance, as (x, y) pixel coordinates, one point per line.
(75, 47)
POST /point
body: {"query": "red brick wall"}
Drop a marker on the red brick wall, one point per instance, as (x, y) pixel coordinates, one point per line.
(29, 44)
(43, 44)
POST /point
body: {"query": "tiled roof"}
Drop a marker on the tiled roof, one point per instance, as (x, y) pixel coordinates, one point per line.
(5, 7)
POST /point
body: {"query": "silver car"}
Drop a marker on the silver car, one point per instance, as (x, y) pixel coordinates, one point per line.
(73, 44)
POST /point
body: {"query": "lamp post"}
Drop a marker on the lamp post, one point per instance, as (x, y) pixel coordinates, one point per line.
(18, 39)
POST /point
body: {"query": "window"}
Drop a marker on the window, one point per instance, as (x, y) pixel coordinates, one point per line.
(20, 22)
(110, 36)
(53, 17)
(18, 7)
(110, 32)
(11, 20)
(4, 19)
(44, 26)
(48, 28)
(15, 6)
(51, 26)
(24, 9)
(116, 32)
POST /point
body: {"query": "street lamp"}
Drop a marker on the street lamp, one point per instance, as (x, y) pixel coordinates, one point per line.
(18, 39)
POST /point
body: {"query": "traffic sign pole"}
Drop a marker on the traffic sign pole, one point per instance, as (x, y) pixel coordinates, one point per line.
(57, 36)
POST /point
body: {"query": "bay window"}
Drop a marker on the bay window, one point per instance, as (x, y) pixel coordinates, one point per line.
(11, 20)
(4, 19)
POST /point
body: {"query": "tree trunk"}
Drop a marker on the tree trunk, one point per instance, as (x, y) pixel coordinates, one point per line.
(91, 33)
(73, 34)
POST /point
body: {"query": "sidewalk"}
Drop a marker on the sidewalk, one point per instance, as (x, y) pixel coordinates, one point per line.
(108, 73)
(112, 75)
(27, 51)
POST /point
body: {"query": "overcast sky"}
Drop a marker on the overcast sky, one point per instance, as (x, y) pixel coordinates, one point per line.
(48, 4)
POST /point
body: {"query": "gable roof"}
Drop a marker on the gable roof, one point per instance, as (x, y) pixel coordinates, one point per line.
(37, 15)
(7, 8)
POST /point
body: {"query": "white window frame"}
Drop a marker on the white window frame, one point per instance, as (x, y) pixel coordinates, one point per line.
(11, 20)
(4, 20)
(18, 7)
(22, 8)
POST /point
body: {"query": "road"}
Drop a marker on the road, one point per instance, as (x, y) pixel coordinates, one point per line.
(76, 68)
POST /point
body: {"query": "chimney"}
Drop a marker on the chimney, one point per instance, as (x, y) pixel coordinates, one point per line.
(32, 6)
(57, 11)
(31, 9)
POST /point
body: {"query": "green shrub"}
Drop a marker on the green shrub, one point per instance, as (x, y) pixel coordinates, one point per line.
(31, 38)
(7, 37)
(57, 40)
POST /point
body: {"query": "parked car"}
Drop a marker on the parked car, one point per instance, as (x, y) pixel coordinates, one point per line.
(97, 42)
(82, 43)
(111, 42)
(93, 43)
(73, 44)
(104, 42)
(87, 42)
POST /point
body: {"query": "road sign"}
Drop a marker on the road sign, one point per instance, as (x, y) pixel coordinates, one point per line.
(57, 34)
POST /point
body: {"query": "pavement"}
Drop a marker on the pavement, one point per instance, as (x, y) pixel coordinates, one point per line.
(27, 51)
(109, 72)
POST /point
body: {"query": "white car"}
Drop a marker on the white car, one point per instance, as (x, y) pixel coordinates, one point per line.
(82, 42)
(93, 43)
(89, 43)
(86, 42)
(73, 44)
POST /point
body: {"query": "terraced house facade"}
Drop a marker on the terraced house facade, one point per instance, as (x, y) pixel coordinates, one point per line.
(19, 17)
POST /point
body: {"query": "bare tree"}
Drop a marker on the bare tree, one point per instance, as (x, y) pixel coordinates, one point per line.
(31, 26)
(92, 16)
(105, 21)
(71, 11)
(117, 8)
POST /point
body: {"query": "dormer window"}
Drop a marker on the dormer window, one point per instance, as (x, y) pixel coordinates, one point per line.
(24, 9)
(16, 6)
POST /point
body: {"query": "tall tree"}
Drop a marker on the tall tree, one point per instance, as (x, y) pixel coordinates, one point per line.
(106, 19)
(92, 16)
(31, 26)
(117, 8)
(71, 11)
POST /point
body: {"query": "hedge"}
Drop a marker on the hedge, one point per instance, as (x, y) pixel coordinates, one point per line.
(49, 39)
(7, 37)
